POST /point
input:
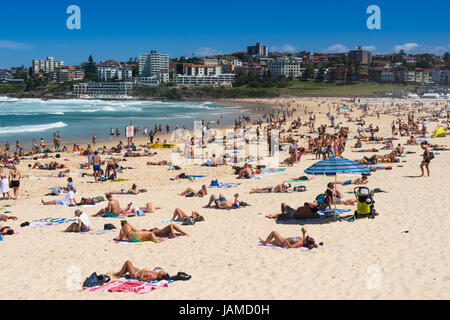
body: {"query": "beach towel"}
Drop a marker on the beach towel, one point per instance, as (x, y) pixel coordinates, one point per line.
(327, 212)
(54, 220)
(118, 180)
(130, 285)
(172, 221)
(116, 240)
(225, 185)
(97, 231)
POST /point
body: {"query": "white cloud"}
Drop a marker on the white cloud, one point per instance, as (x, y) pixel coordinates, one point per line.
(204, 51)
(369, 48)
(407, 47)
(6, 44)
(336, 48)
(285, 48)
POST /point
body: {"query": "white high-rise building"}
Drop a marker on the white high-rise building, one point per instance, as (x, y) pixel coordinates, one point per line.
(47, 65)
(153, 64)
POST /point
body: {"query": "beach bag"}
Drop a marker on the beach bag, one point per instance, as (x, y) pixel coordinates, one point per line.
(214, 183)
(55, 191)
(189, 221)
(300, 188)
(94, 280)
(99, 199)
(108, 226)
(431, 156)
(181, 276)
(321, 198)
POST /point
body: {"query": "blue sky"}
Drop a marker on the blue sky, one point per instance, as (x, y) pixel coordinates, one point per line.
(123, 29)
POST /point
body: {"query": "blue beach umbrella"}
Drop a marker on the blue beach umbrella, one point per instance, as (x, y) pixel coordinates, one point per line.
(335, 165)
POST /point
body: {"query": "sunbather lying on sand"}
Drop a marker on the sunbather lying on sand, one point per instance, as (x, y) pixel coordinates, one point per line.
(180, 215)
(307, 211)
(283, 187)
(128, 232)
(168, 231)
(275, 238)
(133, 190)
(141, 274)
(4, 217)
(52, 165)
(222, 203)
(202, 192)
(6, 231)
(361, 180)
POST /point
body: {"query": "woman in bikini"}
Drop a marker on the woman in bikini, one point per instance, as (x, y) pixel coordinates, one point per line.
(275, 238)
(14, 178)
(128, 232)
(180, 215)
(202, 192)
(167, 231)
(142, 274)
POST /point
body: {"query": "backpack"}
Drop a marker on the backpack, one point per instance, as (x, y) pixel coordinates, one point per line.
(108, 226)
(94, 280)
(189, 221)
(55, 191)
(321, 198)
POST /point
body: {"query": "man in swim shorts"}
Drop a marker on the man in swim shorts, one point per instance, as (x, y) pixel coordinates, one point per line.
(222, 203)
(112, 210)
(97, 161)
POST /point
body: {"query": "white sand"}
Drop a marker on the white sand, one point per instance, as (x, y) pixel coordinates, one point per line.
(366, 259)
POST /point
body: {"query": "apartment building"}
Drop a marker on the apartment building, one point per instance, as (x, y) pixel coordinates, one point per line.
(441, 76)
(258, 50)
(191, 69)
(106, 73)
(67, 73)
(360, 55)
(153, 63)
(47, 65)
(285, 67)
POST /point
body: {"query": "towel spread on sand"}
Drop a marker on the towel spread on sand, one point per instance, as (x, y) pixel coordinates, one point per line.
(129, 285)
(272, 246)
(171, 221)
(225, 185)
(98, 231)
(267, 171)
(54, 220)
(334, 211)
(116, 240)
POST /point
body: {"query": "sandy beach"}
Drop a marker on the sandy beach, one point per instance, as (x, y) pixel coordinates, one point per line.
(401, 254)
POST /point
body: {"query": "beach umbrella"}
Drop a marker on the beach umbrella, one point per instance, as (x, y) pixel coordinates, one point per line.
(335, 165)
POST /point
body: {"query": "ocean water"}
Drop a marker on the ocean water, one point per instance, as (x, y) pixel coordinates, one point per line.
(25, 119)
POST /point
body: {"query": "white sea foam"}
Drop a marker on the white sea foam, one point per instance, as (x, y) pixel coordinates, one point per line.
(32, 128)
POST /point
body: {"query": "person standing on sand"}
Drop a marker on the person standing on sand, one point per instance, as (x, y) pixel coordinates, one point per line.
(97, 162)
(14, 180)
(90, 154)
(94, 139)
(427, 156)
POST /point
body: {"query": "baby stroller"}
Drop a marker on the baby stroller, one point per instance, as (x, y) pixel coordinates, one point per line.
(365, 204)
